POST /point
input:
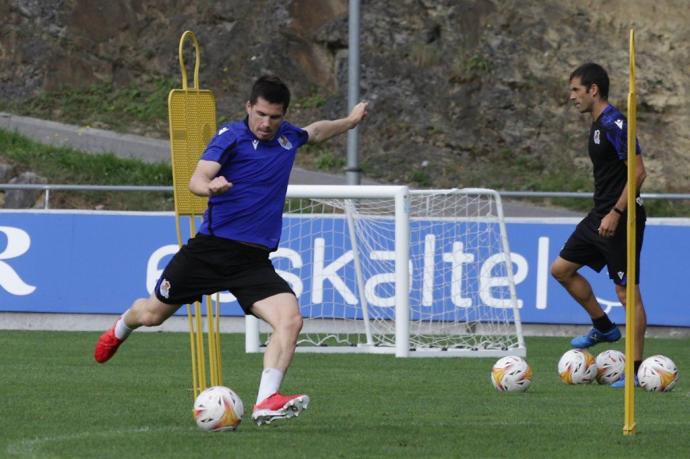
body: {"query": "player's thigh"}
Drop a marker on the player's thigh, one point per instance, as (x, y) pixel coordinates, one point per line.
(584, 247)
(281, 309)
(153, 310)
(258, 281)
(616, 253)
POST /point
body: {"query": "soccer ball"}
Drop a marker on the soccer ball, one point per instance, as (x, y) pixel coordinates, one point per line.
(217, 409)
(577, 366)
(610, 366)
(511, 374)
(658, 373)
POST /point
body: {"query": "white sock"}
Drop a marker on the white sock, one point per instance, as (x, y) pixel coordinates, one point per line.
(270, 383)
(122, 331)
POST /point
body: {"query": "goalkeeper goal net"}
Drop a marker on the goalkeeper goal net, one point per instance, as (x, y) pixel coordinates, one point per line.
(385, 269)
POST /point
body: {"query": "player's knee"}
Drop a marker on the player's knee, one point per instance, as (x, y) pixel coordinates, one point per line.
(559, 273)
(152, 314)
(292, 323)
(153, 319)
(296, 322)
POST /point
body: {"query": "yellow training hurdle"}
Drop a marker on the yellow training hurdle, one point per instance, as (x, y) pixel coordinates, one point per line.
(192, 120)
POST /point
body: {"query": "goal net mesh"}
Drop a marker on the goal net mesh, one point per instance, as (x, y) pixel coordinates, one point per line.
(338, 256)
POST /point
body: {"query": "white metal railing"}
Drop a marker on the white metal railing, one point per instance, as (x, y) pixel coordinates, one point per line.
(47, 188)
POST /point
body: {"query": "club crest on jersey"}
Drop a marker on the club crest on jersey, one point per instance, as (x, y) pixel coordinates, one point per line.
(284, 142)
(619, 123)
(597, 137)
(255, 143)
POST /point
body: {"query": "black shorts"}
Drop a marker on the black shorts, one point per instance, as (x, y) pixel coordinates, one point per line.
(586, 247)
(208, 264)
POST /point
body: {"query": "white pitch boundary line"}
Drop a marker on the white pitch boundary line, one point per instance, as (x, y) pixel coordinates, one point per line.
(32, 447)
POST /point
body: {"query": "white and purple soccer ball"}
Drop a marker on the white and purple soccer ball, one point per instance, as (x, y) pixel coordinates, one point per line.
(218, 409)
(577, 366)
(657, 373)
(511, 374)
(610, 366)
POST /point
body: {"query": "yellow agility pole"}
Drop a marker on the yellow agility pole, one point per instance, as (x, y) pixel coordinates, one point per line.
(192, 120)
(629, 426)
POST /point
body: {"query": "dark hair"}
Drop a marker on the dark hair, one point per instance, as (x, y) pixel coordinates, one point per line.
(272, 89)
(590, 74)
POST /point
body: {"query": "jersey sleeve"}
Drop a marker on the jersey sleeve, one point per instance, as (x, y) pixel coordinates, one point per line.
(220, 146)
(302, 136)
(297, 135)
(617, 135)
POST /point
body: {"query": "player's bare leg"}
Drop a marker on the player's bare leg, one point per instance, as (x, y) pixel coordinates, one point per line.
(566, 273)
(282, 313)
(640, 329)
(640, 319)
(148, 312)
(144, 311)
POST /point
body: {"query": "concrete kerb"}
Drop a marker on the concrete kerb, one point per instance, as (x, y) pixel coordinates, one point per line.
(179, 324)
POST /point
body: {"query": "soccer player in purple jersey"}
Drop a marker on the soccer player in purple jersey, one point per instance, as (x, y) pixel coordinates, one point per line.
(600, 238)
(244, 171)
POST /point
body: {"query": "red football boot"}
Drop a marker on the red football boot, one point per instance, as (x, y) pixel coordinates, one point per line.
(279, 406)
(106, 346)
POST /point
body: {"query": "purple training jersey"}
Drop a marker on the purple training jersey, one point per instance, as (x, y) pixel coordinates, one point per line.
(252, 209)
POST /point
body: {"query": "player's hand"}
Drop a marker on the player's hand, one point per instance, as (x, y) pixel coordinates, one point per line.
(218, 185)
(608, 225)
(358, 113)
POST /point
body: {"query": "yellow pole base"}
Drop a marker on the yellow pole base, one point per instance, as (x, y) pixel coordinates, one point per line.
(629, 430)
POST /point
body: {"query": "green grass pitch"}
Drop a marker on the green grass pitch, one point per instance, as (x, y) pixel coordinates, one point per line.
(58, 403)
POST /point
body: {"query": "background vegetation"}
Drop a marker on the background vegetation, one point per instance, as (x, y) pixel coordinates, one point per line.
(143, 110)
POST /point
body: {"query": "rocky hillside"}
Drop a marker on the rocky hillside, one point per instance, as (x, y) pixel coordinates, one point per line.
(463, 92)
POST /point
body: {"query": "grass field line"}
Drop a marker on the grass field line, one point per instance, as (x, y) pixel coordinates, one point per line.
(32, 447)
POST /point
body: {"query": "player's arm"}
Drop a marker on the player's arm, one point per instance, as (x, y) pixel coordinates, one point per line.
(205, 181)
(320, 131)
(610, 221)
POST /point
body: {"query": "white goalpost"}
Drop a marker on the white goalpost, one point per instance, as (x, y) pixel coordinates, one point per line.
(386, 269)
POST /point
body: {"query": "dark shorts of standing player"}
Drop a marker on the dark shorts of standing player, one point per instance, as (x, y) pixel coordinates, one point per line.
(586, 247)
(208, 264)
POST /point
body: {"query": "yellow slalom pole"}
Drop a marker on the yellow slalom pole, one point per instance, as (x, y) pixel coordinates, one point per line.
(629, 426)
(196, 385)
(219, 362)
(211, 342)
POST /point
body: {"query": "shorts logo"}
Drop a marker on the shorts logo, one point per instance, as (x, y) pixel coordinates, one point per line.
(165, 288)
(284, 142)
(621, 275)
(597, 136)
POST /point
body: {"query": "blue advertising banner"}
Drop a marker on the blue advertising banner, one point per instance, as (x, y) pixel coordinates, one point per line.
(99, 262)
